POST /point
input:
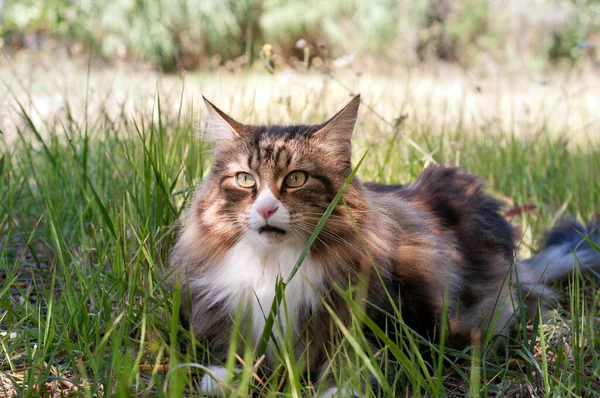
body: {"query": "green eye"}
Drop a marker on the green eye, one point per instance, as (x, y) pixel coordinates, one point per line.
(245, 180)
(295, 179)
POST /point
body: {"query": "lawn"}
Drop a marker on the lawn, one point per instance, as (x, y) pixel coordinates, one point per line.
(94, 177)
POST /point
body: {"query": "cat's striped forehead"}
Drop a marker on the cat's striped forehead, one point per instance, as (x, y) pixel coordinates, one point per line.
(278, 146)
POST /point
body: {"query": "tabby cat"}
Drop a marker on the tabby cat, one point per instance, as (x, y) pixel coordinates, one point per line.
(440, 241)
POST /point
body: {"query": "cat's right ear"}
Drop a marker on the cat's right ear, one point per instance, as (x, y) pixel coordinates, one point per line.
(220, 126)
(336, 133)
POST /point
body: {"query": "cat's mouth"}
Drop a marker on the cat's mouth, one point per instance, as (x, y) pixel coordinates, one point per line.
(271, 229)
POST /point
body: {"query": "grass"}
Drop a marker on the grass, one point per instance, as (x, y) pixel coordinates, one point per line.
(89, 204)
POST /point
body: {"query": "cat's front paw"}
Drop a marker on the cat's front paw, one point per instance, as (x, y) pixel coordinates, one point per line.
(214, 381)
(334, 392)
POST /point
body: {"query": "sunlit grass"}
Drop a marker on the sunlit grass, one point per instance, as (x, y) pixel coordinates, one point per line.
(89, 205)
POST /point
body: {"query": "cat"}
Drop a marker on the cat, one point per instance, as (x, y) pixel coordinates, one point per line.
(438, 242)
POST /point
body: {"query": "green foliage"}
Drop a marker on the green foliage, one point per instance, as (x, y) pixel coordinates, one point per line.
(189, 34)
(580, 25)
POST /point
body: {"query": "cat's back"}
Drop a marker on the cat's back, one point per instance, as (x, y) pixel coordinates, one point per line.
(457, 202)
(451, 237)
(450, 200)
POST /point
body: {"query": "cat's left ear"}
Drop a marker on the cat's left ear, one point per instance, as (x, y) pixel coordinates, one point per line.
(220, 126)
(336, 133)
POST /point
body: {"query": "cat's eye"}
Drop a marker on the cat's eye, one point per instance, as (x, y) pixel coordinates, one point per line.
(245, 180)
(295, 179)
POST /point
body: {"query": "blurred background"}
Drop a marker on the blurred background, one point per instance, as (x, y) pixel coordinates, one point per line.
(378, 35)
(474, 61)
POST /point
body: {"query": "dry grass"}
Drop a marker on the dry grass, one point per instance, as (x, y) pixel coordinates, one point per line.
(561, 104)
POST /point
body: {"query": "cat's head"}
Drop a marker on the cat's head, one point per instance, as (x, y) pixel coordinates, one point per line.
(273, 183)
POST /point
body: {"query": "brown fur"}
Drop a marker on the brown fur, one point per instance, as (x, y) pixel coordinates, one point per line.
(438, 242)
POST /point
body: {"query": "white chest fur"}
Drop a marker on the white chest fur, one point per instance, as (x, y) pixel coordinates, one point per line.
(247, 276)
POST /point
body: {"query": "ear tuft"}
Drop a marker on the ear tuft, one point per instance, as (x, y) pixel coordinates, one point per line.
(220, 126)
(337, 131)
(342, 124)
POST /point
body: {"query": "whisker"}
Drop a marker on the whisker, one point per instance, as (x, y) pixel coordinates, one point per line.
(325, 244)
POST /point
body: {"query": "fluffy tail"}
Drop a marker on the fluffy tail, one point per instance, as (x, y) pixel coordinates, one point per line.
(564, 249)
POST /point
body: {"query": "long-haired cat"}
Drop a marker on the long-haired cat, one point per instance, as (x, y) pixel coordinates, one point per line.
(438, 243)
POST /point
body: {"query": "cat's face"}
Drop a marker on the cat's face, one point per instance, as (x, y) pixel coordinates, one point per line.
(272, 184)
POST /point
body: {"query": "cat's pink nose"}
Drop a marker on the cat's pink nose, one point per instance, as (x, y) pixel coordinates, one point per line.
(267, 211)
